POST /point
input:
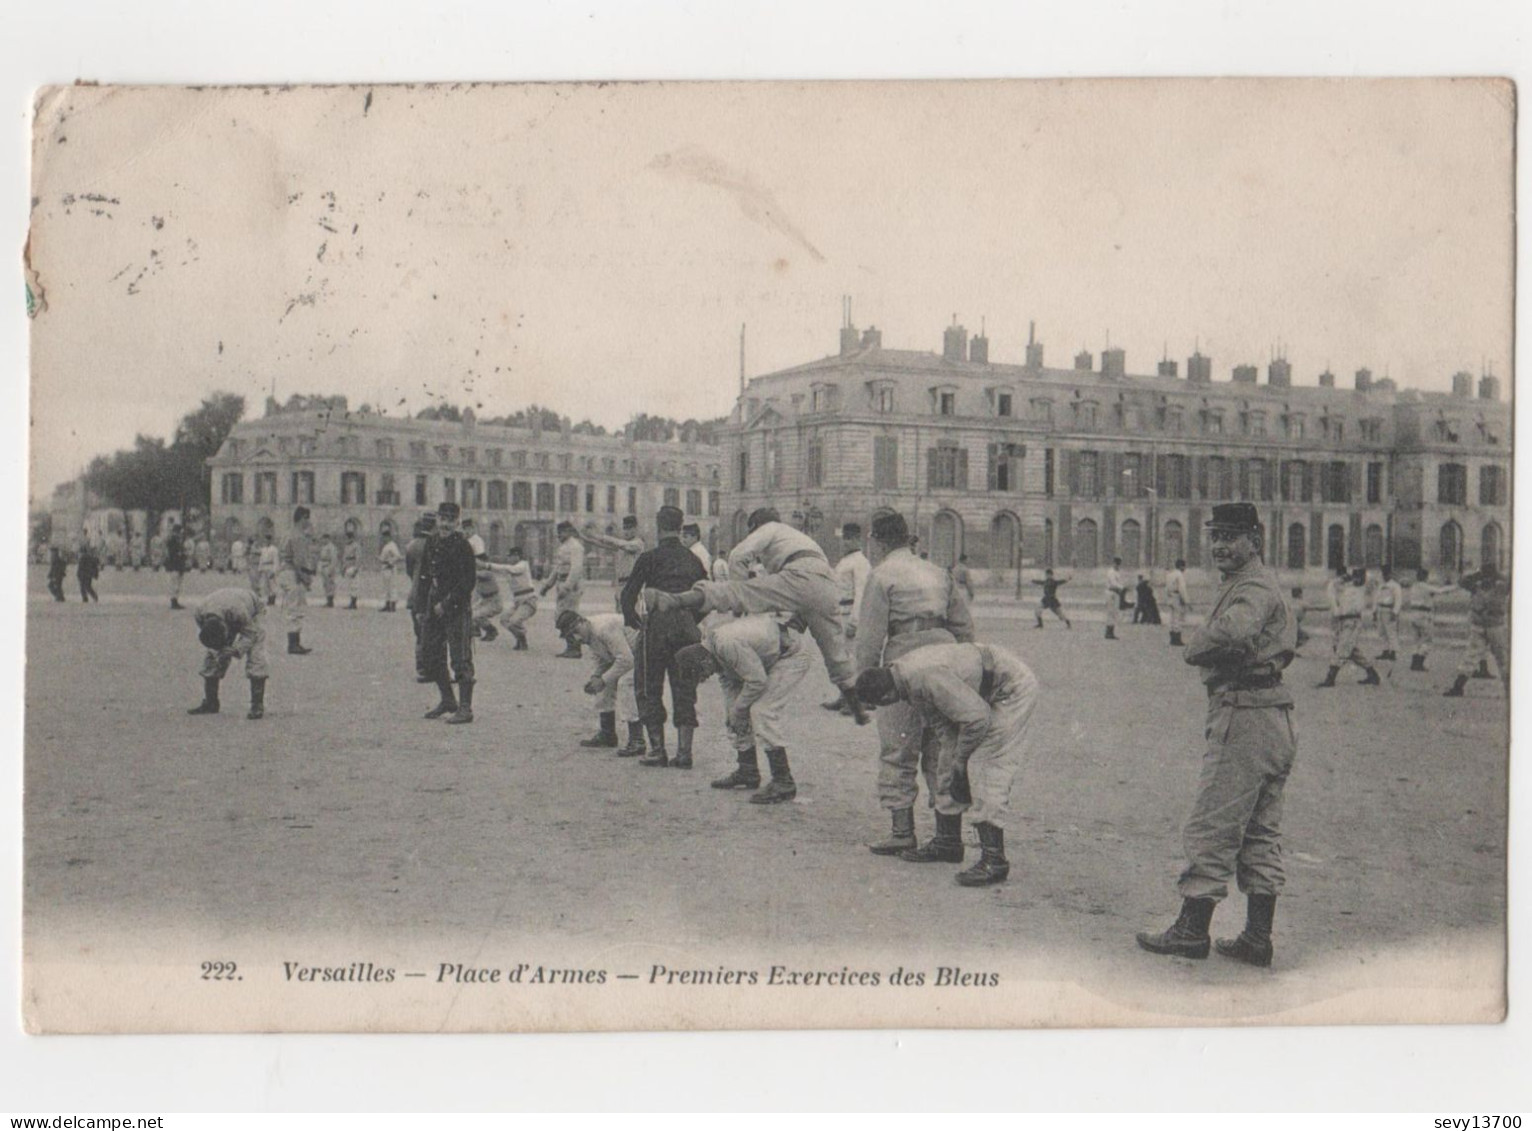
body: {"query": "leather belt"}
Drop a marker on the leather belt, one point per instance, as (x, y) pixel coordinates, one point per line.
(1249, 683)
(1348, 616)
(522, 592)
(798, 554)
(845, 601)
(915, 624)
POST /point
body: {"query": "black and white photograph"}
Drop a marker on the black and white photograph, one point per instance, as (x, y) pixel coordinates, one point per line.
(771, 555)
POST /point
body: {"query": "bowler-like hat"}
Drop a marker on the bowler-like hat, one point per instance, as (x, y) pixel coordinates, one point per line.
(1240, 517)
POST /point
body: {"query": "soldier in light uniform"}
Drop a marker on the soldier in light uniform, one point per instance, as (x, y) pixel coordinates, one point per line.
(907, 604)
(1351, 606)
(487, 602)
(961, 576)
(759, 660)
(389, 560)
(611, 681)
(265, 565)
(1420, 618)
(977, 699)
(1489, 595)
(1177, 601)
(204, 555)
(568, 577)
(691, 538)
(1243, 647)
(797, 579)
(329, 565)
(1389, 604)
(230, 624)
(851, 574)
(297, 561)
(1116, 587)
(523, 597)
(239, 558)
(628, 547)
(351, 567)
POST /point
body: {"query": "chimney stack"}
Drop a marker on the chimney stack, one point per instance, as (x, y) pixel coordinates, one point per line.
(849, 338)
(1084, 361)
(955, 342)
(978, 348)
(1327, 380)
(1167, 368)
(1489, 387)
(1114, 362)
(1363, 380)
(1034, 347)
(1462, 384)
(872, 338)
(1280, 374)
(1199, 369)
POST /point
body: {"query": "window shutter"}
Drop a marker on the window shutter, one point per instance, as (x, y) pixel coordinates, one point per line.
(1356, 483)
(1072, 472)
(1268, 481)
(1201, 465)
(1161, 476)
(962, 469)
(994, 468)
(1113, 475)
(931, 468)
(1324, 483)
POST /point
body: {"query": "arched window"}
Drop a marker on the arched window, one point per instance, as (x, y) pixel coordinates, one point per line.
(1297, 539)
(946, 538)
(1489, 545)
(1451, 547)
(1131, 547)
(1004, 538)
(1335, 548)
(1175, 544)
(1085, 544)
(1372, 546)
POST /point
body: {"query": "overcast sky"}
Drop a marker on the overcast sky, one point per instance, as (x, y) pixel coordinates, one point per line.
(596, 248)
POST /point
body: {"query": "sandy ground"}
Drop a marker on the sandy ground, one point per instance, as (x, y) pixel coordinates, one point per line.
(344, 828)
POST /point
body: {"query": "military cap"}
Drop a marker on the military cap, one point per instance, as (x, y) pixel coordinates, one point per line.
(851, 530)
(761, 516)
(670, 518)
(566, 621)
(1241, 517)
(629, 520)
(695, 663)
(891, 529)
(449, 509)
(693, 529)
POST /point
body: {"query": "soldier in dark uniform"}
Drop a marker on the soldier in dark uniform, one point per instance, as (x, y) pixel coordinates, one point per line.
(175, 563)
(86, 570)
(58, 569)
(414, 601)
(445, 585)
(668, 568)
(1242, 647)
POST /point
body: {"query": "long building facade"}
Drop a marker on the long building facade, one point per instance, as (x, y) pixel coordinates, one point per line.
(1031, 466)
(372, 475)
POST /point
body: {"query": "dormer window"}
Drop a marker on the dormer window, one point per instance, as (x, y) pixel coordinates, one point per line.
(1042, 410)
(1002, 400)
(824, 397)
(944, 400)
(1295, 426)
(1087, 414)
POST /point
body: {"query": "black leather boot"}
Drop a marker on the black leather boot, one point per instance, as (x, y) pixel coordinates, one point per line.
(329, 602)
(490, 633)
(946, 847)
(1456, 690)
(747, 775)
(295, 645)
(657, 755)
(992, 867)
(683, 758)
(606, 735)
(1253, 946)
(1111, 632)
(853, 703)
(464, 713)
(1483, 671)
(1188, 935)
(571, 649)
(521, 640)
(353, 604)
(257, 698)
(1329, 680)
(209, 704)
(901, 839)
(781, 787)
(1372, 679)
(1176, 641)
(635, 746)
(1417, 663)
(448, 704)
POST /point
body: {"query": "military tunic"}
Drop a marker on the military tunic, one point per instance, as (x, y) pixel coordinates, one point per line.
(760, 661)
(241, 612)
(612, 643)
(298, 560)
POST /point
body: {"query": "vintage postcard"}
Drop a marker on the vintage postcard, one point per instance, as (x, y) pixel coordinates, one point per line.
(768, 555)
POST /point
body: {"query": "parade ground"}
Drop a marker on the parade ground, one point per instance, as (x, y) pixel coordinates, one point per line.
(343, 827)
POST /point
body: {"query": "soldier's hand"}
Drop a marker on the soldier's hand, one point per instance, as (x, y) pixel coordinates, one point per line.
(439, 610)
(851, 632)
(595, 685)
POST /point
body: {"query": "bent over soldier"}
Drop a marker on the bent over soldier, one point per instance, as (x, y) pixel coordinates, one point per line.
(1242, 649)
(230, 625)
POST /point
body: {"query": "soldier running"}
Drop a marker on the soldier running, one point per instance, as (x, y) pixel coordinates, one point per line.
(1243, 647)
(1488, 597)
(797, 580)
(230, 624)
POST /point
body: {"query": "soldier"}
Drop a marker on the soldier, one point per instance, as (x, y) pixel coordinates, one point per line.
(389, 560)
(351, 567)
(907, 604)
(759, 660)
(978, 701)
(523, 597)
(1390, 602)
(797, 580)
(691, 538)
(1351, 605)
(414, 600)
(238, 562)
(851, 574)
(446, 583)
(960, 575)
(266, 570)
(230, 625)
(298, 559)
(569, 577)
(157, 552)
(611, 681)
(86, 570)
(667, 569)
(1243, 647)
(487, 604)
(628, 547)
(204, 554)
(1488, 597)
(1421, 616)
(1116, 596)
(136, 550)
(1050, 598)
(470, 531)
(1177, 600)
(175, 563)
(329, 564)
(58, 569)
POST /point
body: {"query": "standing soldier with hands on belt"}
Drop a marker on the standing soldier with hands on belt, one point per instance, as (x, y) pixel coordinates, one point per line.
(1116, 596)
(797, 580)
(908, 604)
(389, 558)
(351, 566)
(297, 561)
(1242, 647)
(851, 574)
(446, 580)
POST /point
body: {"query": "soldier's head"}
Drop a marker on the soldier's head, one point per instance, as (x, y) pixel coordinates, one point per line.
(761, 516)
(851, 537)
(1422, 575)
(877, 686)
(1047, 573)
(1388, 573)
(326, 538)
(1298, 592)
(1234, 536)
(629, 525)
(565, 530)
(669, 521)
(1180, 563)
(514, 554)
(467, 526)
(695, 663)
(447, 515)
(213, 633)
(1116, 562)
(570, 623)
(300, 518)
(890, 532)
(691, 534)
(351, 536)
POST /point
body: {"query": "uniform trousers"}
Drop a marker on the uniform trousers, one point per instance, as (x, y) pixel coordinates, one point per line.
(1234, 829)
(1484, 642)
(1388, 625)
(353, 575)
(327, 580)
(1347, 644)
(906, 745)
(485, 610)
(567, 596)
(994, 765)
(1422, 629)
(654, 655)
(806, 587)
(766, 713)
(1177, 614)
(444, 637)
(522, 609)
(295, 599)
(617, 695)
